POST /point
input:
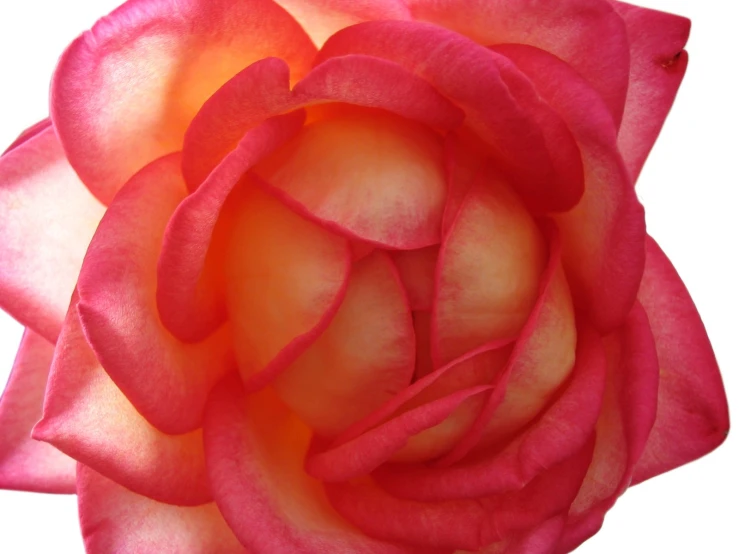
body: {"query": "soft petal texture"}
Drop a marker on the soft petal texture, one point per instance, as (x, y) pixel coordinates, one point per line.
(322, 18)
(167, 381)
(190, 295)
(658, 63)
(43, 239)
(29, 133)
(469, 523)
(692, 411)
(542, 539)
(88, 417)
(362, 359)
(488, 271)
(125, 91)
(114, 519)
(560, 431)
(26, 464)
(603, 237)
(417, 269)
(572, 30)
(525, 135)
(286, 279)
(626, 419)
(376, 177)
(255, 448)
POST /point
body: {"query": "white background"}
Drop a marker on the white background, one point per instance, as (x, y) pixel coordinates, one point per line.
(689, 188)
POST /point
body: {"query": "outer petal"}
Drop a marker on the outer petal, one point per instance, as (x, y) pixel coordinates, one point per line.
(255, 448)
(692, 412)
(167, 381)
(125, 92)
(29, 133)
(322, 18)
(539, 540)
(603, 236)
(24, 463)
(658, 63)
(525, 136)
(87, 416)
(572, 30)
(627, 416)
(114, 519)
(42, 237)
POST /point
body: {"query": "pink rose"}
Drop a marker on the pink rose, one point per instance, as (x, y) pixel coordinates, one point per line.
(349, 277)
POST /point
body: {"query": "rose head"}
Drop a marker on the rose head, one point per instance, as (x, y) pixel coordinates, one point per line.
(349, 277)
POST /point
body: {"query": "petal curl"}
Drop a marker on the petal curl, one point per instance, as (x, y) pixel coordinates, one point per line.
(526, 136)
(114, 519)
(364, 357)
(125, 91)
(167, 381)
(29, 133)
(572, 30)
(26, 464)
(255, 447)
(48, 220)
(603, 236)
(692, 411)
(658, 63)
(89, 418)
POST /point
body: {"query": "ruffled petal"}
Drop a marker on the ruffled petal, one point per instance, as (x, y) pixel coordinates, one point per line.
(658, 63)
(322, 18)
(626, 418)
(286, 279)
(167, 381)
(572, 30)
(89, 418)
(48, 220)
(542, 539)
(603, 236)
(364, 357)
(125, 91)
(487, 276)
(114, 519)
(526, 136)
(26, 464)
(692, 412)
(560, 431)
(255, 447)
(468, 524)
(368, 175)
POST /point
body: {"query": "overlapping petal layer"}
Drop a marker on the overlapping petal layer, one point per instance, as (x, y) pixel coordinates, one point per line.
(26, 464)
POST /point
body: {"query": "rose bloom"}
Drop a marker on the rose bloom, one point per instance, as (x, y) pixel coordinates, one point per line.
(331, 276)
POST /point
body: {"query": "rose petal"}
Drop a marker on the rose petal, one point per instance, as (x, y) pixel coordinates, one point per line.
(465, 524)
(417, 269)
(572, 30)
(628, 413)
(364, 357)
(255, 447)
(560, 431)
(190, 295)
(167, 381)
(322, 18)
(488, 272)
(658, 63)
(525, 136)
(43, 239)
(124, 92)
(603, 237)
(114, 519)
(286, 279)
(372, 176)
(29, 133)
(692, 414)
(89, 418)
(26, 464)
(542, 539)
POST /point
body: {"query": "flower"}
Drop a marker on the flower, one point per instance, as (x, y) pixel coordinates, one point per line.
(391, 295)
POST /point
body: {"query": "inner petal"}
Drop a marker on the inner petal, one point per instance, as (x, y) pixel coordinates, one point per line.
(369, 174)
(286, 278)
(488, 271)
(365, 356)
